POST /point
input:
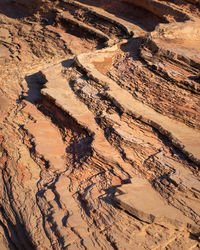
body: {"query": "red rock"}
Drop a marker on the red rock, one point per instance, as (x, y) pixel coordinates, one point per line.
(116, 181)
(95, 94)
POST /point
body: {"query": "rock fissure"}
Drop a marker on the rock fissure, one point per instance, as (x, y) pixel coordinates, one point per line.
(99, 124)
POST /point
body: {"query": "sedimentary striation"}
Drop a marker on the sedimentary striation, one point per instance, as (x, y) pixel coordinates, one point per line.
(99, 124)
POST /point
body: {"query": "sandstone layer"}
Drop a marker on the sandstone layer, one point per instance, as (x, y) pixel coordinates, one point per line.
(99, 124)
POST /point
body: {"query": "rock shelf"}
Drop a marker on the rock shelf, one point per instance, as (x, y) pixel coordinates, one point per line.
(99, 124)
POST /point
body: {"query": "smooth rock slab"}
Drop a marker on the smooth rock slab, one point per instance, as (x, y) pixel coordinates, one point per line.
(183, 137)
(142, 201)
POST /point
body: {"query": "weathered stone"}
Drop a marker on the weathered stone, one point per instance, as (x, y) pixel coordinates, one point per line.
(78, 122)
(143, 202)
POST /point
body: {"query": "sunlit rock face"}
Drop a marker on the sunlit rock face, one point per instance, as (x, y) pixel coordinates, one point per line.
(99, 124)
(189, 30)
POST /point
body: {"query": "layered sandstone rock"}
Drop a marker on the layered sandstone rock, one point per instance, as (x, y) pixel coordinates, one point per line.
(99, 125)
(178, 32)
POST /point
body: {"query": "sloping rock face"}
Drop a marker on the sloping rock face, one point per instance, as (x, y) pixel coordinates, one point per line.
(30, 6)
(99, 124)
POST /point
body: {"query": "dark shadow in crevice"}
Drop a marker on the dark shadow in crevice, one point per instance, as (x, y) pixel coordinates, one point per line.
(82, 33)
(195, 78)
(128, 12)
(35, 83)
(19, 9)
(10, 236)
(132, 48)
(67, 63)
(109, 197)
(195, 236)
(79, 145)
(112, 191)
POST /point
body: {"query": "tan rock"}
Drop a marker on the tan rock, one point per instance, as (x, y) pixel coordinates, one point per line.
(142, 201)
(75, 127)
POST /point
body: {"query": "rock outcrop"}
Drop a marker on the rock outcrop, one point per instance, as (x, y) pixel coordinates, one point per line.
(99, 124)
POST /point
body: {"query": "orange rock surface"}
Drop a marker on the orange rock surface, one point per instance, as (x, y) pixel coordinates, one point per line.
(99, 124)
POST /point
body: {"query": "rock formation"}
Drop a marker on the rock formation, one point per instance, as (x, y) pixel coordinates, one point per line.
(99, 124)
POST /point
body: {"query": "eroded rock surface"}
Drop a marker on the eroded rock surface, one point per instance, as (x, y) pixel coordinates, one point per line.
(99, 124)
